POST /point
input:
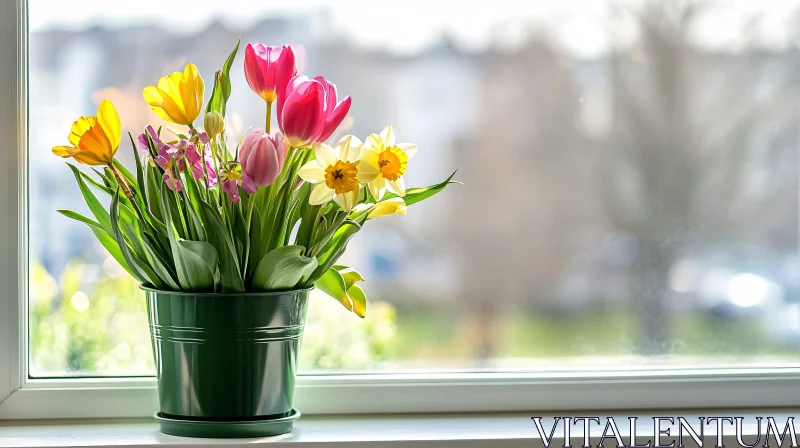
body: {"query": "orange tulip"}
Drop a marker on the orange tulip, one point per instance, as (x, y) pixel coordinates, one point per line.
(94, 139)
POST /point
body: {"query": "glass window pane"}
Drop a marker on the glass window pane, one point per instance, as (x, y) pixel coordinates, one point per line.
(630, 178)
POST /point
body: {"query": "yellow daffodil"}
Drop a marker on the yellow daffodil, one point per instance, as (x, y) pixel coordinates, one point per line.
(94, 139)
(394, 206)
(337, 173)
(390, 159)
(177, 97)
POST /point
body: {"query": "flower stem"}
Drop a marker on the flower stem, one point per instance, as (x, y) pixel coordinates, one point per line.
(269, 116)
(120, 181)
(177, 179)
(205, 173)
(214, 154)
(251, 201)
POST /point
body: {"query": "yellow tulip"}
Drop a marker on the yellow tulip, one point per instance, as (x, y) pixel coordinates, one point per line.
(94, 139)
(178, 97)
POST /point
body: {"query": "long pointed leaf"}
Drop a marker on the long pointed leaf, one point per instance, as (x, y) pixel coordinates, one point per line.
(255, 244)
(163, 269)
(140, 178)
(195, 261)
(99, 212)
(333, 249)
(222, 85)
(414, 195)
(283, 269)
(108, 241)
(139, 269)
(218, 236)
(152, 182)
(332, 283)
(198, 265)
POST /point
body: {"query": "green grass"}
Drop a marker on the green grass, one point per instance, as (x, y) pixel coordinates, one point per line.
(431, 333)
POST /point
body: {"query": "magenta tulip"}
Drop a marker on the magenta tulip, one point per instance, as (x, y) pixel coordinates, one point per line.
(268, 69)
(262, 156)
(310, 110)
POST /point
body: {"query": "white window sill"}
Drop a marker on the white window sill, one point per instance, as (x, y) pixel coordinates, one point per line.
(462, 431)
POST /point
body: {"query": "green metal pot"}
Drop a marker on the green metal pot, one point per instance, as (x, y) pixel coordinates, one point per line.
(226, 358)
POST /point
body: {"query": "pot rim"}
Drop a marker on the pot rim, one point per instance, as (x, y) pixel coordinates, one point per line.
(224, 294)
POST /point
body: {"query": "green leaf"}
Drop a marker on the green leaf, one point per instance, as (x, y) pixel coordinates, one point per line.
(414, 195)
(161, 264)
(108, 241)
(283, 269)
(327, 230)
(354, 292)
(219, 237)
(97, 184)
(241, 234)
(127, 175)
(192, 195)
(339, 282)
(332, 283)
(334, 249)
(139, 170)
(308, 216)
(139, 269)
(170, 198)
(350, 275)
(153, 195)
(255, 245)
(109, 184)
(222, 85)
(130, 227)
(198, 265)
(99, 212)
(359, 299)
(195, 261)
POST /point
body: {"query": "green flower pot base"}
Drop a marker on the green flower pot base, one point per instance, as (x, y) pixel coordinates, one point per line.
(226, 363)
(227, 429)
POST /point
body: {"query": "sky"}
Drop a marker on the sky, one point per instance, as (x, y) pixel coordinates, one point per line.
(407, 26)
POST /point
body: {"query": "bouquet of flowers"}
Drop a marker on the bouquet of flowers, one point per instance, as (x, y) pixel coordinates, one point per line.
(270, 212)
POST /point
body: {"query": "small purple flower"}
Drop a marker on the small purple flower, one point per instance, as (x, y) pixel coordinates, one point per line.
(232, 177)
(143, 144)
(172, 180)
(198, 136)
(172, 158)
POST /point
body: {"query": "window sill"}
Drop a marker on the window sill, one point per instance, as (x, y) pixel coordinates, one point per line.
(465, 430)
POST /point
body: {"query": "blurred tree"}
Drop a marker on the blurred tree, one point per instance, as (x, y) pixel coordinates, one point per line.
(525, 181)
(702, 150)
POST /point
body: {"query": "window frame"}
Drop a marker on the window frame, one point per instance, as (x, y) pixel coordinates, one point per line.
(22, 397)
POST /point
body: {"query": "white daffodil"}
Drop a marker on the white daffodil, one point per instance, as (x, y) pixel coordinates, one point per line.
(337, 173)
(390, 160)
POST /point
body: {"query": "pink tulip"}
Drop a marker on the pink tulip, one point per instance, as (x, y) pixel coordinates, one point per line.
(262, 156)
(268, 69)
(310, 110)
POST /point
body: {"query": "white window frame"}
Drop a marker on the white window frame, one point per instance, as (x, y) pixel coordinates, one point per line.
(23, 397)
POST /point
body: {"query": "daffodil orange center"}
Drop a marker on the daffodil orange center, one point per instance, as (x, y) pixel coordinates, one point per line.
(392, 163)
(341, 176)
